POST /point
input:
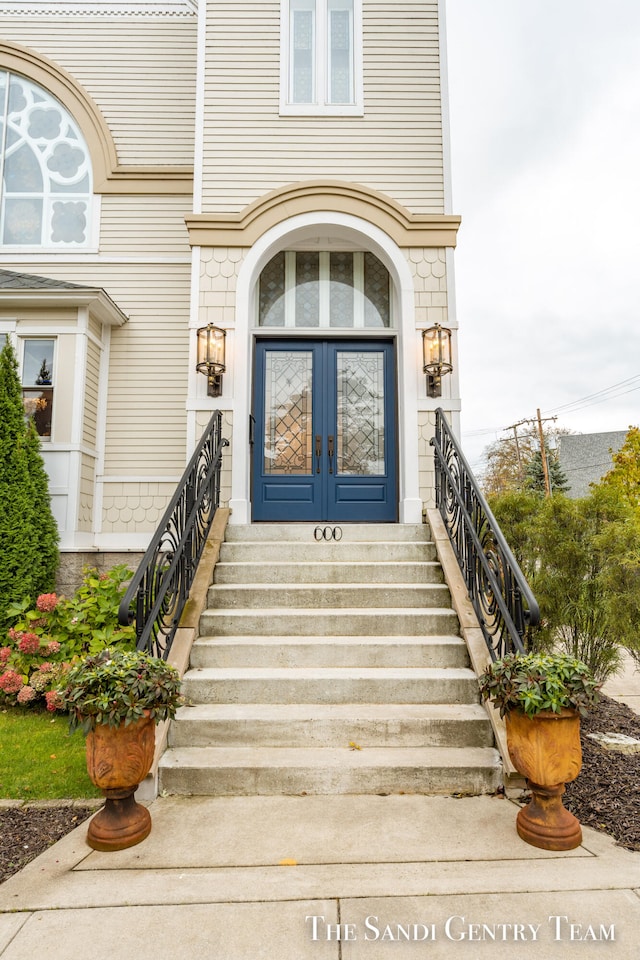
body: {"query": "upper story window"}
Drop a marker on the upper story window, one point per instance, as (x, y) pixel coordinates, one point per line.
(321, 57)
(45, 182)
(324, 289)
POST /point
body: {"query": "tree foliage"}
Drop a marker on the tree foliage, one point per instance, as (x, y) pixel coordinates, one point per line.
(624, 476)
(582, 560)
(507, 461)
(28, 533)
(534, 474)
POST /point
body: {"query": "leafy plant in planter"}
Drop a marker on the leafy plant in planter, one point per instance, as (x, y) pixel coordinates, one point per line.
(541, 697)
(117, 697)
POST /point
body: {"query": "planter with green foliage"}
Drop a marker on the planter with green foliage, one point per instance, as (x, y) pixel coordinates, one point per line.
(541, 697)
(117, 697)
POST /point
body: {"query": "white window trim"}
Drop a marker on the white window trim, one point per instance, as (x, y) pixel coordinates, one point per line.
(320, 108)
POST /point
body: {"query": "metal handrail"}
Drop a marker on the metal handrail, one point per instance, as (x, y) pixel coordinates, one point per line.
(501, 597)
(160, 587)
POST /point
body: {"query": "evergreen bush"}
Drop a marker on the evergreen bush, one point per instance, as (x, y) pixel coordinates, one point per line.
(28, 533)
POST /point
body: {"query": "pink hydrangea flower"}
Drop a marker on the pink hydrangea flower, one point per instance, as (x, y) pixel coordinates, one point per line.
(14, 634)
(46, 667)
(5, 653)
(29, 643)
(52, 647)
(46, 602)
(54, 700)
(10, 682)
(26, 694)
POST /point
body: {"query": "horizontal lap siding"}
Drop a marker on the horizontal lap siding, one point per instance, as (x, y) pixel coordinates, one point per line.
(395, 148)
(145, 226)
(148, 368)
(141, 72)
(91, 395)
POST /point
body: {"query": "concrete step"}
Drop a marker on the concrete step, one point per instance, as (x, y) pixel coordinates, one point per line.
(327, 595)
(292, 551)
(233, 771)
(306, 532)
(332, 725)
(321, 622)
(330, 685)
(282, 651)
(327, 572)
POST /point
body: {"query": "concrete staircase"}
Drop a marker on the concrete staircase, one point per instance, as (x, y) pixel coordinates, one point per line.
(327, 667)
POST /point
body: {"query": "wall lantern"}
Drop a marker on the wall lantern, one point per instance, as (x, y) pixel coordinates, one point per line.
(211, 359)
(436, 348)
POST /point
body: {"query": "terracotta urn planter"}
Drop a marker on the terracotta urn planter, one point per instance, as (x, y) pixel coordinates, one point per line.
(118, 759)
(546, 749)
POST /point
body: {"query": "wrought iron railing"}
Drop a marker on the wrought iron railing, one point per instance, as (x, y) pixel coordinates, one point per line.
(160, 586)
(501, 597)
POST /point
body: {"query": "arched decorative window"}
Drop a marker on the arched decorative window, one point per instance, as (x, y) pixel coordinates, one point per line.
(300, 288)
(45, 183)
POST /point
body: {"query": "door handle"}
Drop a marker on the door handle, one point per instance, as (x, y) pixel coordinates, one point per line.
(318, 451)
(330, 453)
(252, 429)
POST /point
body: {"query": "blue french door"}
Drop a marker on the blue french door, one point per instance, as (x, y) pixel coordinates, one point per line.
(324, 431)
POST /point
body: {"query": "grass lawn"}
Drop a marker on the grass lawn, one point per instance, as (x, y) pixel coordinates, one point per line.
(39, 759)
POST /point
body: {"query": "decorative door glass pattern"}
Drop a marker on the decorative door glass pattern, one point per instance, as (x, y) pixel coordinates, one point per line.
(272, 291)
(341, 289)
(288, 428)
(360, 409)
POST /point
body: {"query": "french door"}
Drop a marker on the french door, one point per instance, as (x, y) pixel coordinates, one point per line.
(324, 434)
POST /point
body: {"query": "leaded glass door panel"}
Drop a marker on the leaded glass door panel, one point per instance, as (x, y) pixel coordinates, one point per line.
(325, 427)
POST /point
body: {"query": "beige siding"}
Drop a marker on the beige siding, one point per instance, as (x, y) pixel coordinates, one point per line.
(202, 420)
(134, 507)
(396, 147)
(426, 430)
(85, 502)
(146, 418)
(90, 410)
(139, 70)
(144, 226)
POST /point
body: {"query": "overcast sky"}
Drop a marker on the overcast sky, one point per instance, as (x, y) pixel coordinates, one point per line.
(545, 155)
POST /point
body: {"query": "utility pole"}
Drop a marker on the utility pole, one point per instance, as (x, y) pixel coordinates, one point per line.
(514, 427)
(543, 454)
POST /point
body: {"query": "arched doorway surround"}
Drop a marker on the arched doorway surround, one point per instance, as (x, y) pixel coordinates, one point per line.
(351, 230)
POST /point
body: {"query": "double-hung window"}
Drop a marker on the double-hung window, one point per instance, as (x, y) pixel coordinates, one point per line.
(321, 57)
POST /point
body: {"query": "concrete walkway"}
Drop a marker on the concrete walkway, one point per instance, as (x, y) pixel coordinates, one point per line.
(244, 878)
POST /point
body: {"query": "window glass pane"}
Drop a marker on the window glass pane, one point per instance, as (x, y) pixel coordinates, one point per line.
(39, 405)
(272, 289)
(376, 293)
(307, 289)
(22, 221)
(3, 340)
(45, 155)
(341, 289)
(340, 52)
(37, 368)
(360, 396)
(288, 412)
(302, 51)
(69, 222)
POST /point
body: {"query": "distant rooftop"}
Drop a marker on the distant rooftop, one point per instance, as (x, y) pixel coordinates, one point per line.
(586, 457)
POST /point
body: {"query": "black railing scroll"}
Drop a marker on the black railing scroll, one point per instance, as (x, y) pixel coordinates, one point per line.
(160, 587)
(501, 597)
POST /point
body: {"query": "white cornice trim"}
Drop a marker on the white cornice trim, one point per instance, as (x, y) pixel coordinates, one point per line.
(111, 8)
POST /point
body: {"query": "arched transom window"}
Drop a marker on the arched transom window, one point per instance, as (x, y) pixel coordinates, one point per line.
(300, 288)
(46, 170)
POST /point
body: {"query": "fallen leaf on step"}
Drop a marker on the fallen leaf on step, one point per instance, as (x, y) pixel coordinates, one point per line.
(354, 746)
(287, 862)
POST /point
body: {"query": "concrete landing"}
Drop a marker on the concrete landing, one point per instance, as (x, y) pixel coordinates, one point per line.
(404, 876)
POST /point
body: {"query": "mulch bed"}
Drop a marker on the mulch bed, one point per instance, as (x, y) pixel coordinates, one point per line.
(25, 832)
(606, 796)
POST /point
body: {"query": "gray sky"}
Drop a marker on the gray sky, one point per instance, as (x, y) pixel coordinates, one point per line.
(545, 156)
